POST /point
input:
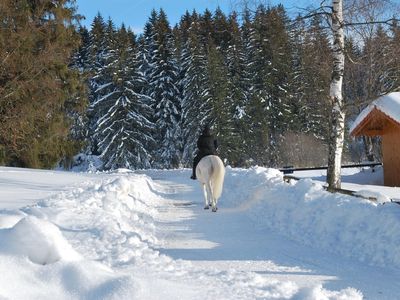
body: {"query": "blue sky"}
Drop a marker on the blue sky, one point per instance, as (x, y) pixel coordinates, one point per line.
(135, 13)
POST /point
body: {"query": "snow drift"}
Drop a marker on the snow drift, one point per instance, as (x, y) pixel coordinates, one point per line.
(305, 212)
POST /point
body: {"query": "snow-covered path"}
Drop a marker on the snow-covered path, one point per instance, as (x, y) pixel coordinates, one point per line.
(145, 235)
(229, 239)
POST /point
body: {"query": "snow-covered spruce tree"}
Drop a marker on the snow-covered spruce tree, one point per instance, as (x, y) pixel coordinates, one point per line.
(312, 72)
(81, 61)
(222, 31)
(123, 130)
(318, 59)
(258, 107)
(223, 64)
(99, 49)
(196, 106)
(180, 34)
(268, 49)
(279, 78)
(147, 46)
(81, 57)
(250, 127)
(299, 79)
(100, 52)
(233, 147)
(206, 28)
(221, 114)
(162, 79)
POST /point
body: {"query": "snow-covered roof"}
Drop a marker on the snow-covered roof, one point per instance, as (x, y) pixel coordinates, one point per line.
(388, 104)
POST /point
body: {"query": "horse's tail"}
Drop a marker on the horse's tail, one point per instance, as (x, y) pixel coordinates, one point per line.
(219, 174)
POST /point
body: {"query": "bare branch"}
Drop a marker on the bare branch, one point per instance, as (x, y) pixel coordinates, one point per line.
(388, 22)
(311, 15)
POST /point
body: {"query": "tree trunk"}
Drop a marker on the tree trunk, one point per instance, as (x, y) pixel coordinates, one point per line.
(336, 136)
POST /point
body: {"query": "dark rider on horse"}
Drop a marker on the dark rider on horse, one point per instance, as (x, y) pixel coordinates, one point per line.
(207, 145)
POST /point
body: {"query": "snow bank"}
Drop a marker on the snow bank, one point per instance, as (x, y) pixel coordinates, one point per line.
(109, 222)
(322, 294)
(112, 220)
(304, 212)
(39, 240)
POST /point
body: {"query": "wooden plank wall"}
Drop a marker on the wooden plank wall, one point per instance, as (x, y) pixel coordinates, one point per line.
(391, 156)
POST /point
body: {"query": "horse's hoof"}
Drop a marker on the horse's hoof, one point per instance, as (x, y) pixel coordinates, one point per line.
(214, 209)
(206, 207)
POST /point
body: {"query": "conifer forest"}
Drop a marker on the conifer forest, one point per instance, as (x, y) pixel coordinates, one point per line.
(260, 77)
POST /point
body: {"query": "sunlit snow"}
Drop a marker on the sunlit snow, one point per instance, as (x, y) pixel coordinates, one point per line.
(145, 235)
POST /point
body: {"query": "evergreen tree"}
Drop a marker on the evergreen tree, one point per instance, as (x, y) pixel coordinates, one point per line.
(233, 146)
(123, 130)
(259, 100)
(97, 48)
(80, 62)
(268, 48)
(163, 77)
(279, 78)
(206, 28)
(103, 60)
(81, 58)
(298, 106)
(147, 46)
(98, 51)
(221, 113)
(196, 103)
(377, 59)
(316, 73)
(245, 110)
(37, 39)
(221, 34)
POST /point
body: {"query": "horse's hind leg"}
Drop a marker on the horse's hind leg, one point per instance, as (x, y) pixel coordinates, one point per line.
(212, 199)
(206, 206)
(210, 195)
(214, 204)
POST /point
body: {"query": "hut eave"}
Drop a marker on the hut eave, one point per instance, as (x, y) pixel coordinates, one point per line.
(375, 123)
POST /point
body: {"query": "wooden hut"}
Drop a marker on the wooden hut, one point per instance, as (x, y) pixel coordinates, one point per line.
(382, 118)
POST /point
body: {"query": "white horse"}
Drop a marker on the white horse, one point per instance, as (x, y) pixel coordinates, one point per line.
(210, 171)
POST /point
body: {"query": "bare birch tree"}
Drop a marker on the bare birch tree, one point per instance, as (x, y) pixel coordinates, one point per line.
(337, 125)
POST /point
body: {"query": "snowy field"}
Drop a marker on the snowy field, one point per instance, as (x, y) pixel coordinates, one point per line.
(145, 235)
